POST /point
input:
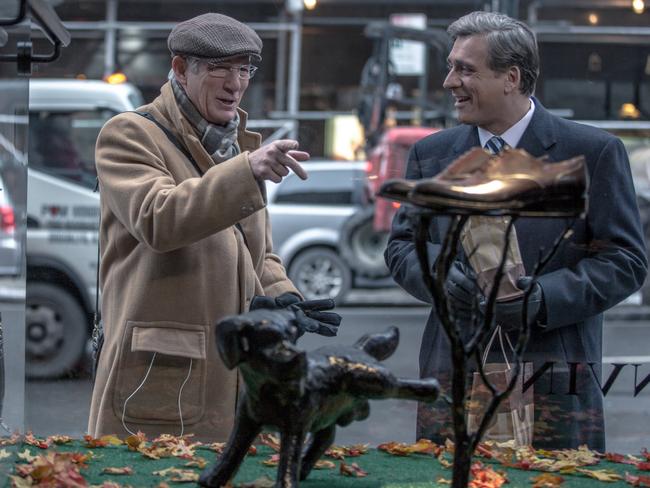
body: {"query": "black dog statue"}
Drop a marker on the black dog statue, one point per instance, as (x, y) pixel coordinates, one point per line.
(297, 392)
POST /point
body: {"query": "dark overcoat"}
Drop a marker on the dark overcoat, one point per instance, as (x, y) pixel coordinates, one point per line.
(602, 263)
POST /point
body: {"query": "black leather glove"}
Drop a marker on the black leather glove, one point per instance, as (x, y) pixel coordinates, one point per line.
(509, 314)
(311, 315)
(462, 290)
(274, 303)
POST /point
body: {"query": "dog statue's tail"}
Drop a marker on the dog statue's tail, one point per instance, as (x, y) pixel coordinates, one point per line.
(379, 346)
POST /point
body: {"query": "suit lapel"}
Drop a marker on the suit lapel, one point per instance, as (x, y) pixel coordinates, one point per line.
(539, 137)
(464, 142)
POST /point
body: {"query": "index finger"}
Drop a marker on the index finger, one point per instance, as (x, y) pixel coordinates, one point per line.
(295, 167)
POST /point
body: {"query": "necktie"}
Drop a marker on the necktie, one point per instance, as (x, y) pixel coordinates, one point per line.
(495, 144)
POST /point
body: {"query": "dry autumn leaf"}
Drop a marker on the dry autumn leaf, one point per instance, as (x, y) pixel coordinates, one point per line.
(486, 477)
(197, 462)
(353, 470)
(53, 469)
(154, 453)
(112, 440)
(263, 482)
(93, 443)
(177, 475)
(58, 439)
(619, 458)
(217, 447)
(547, 480)
(324, 464)
(341, 452)
(18, 482)
(10, 441)
(35, 441)
(184, 476)
(134, 441)
(270, 440)
(115, 470)
(25, 455)
(335, 452)
(4, 454)
(273, 460)
(423, 446)
(164, 472)
(633, 480)
(600, 474)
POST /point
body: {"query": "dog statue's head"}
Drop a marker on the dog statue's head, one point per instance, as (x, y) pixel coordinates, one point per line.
(265, 339)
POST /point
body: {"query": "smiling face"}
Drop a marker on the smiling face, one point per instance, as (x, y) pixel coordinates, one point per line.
(483, 97)
(216, 99)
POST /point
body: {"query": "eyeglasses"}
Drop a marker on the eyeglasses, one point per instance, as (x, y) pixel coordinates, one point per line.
(244, 71)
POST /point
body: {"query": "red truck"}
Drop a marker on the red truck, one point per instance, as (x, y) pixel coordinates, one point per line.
(363, 237)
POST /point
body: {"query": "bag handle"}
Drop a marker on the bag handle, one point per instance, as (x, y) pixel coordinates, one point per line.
(498, 331)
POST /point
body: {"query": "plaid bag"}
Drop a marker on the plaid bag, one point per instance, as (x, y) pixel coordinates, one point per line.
(482, 239)
(514, 418)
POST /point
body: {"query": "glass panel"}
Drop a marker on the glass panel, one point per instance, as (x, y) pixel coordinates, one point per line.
(13, 160)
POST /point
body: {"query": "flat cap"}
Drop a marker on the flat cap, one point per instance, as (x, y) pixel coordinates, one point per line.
(214, 36)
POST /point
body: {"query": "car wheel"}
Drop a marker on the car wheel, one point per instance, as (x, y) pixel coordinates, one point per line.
(362, 247)
(56, 331)
(319, 272)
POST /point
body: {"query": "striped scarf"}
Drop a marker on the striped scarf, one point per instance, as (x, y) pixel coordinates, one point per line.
(219, 141)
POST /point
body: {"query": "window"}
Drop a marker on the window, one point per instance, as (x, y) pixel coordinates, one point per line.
(339, 187)
(63, 143)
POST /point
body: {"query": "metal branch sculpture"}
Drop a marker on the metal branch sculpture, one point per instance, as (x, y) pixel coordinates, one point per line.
(461, 351)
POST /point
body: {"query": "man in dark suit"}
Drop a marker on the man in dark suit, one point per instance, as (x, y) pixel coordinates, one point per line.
(493, 68)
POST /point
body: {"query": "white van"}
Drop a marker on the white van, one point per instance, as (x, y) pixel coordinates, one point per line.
(65, 117)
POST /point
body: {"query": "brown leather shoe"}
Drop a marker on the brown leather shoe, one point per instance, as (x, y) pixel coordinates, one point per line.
(512, 182)
(399, 189)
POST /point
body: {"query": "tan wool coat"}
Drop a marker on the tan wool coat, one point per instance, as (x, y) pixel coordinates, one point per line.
(173, 264)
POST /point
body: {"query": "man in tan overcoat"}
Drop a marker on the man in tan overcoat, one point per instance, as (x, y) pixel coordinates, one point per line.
(185, 238)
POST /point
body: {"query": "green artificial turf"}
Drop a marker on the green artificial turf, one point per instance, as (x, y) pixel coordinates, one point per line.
(384, 470)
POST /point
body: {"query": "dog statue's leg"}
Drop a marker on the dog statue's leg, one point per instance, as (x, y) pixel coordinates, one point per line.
(244, 433)
(291, 440)
(320, 441)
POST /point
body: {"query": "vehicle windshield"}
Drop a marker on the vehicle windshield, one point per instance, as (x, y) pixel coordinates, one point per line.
(63, 143)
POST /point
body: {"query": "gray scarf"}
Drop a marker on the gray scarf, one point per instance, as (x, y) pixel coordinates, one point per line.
(220, 141)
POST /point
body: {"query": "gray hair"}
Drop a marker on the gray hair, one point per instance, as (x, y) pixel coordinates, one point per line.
(510, 43)
(194, 64)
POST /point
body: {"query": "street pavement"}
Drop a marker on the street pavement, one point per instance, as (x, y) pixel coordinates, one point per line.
(62, 406)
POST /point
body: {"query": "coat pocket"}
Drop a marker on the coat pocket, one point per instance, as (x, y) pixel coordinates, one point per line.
(159, 363)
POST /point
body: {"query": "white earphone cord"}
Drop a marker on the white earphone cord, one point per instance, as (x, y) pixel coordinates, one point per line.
(180, 392)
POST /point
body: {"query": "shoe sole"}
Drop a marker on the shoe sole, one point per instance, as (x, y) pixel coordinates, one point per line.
(561, 207)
